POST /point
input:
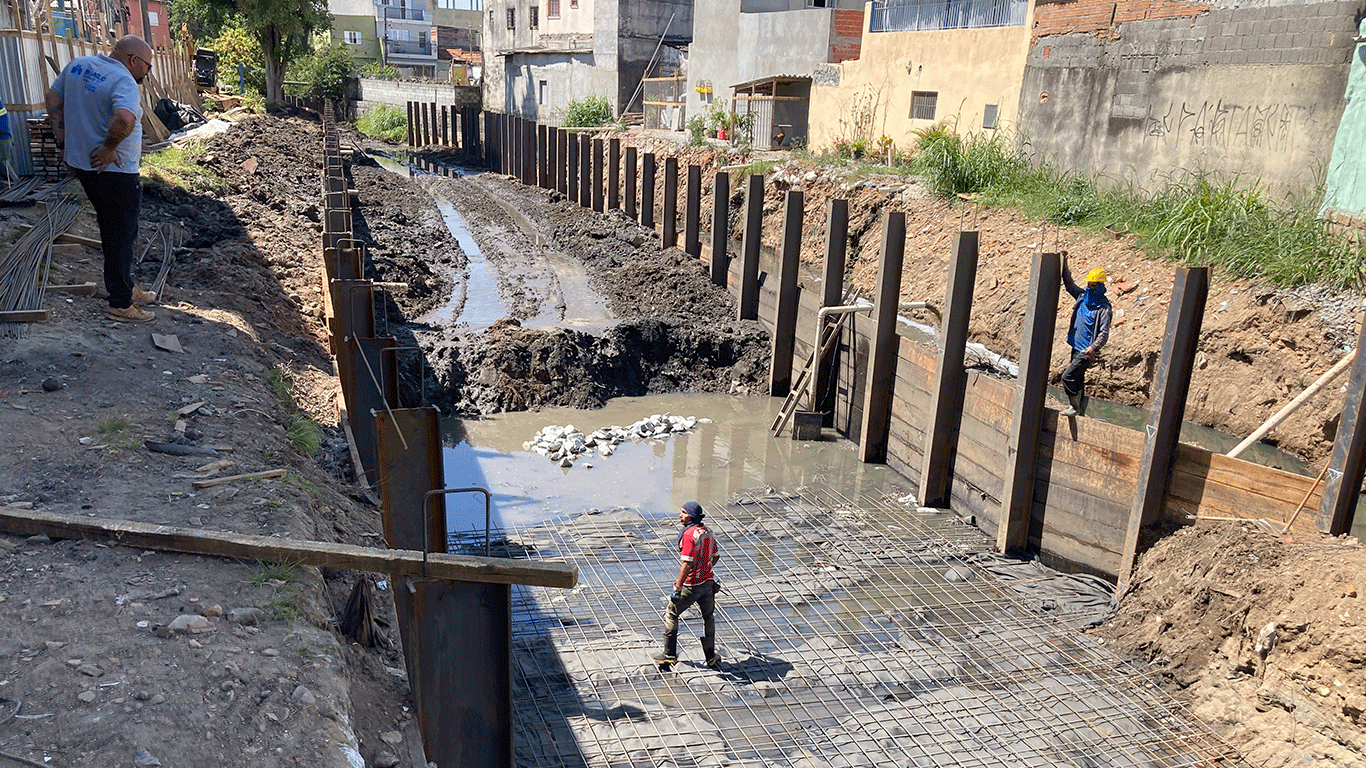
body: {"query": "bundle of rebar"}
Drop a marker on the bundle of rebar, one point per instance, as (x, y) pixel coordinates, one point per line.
(24, 269)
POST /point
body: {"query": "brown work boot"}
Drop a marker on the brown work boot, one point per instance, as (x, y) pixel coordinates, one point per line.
(143, 297)
(132, 314)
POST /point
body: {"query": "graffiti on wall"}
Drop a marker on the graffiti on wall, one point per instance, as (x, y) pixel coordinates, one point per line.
(1272, 126)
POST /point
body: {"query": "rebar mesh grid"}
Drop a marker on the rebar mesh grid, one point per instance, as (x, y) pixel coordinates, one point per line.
(854, 632)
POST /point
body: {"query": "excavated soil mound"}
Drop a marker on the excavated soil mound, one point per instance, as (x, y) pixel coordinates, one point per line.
(1265, 638)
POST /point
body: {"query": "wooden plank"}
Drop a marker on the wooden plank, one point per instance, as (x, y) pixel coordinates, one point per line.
(266, 475)
(25, 316)
(492, 570)
(1276, 484)
(74, 289)
(1103, 518)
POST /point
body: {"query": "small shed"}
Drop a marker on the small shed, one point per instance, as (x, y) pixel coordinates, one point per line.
(777, 102)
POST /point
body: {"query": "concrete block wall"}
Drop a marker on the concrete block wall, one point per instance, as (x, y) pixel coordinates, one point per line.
(1250, 92)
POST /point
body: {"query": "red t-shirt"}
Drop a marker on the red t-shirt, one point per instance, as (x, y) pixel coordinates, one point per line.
(698, 546)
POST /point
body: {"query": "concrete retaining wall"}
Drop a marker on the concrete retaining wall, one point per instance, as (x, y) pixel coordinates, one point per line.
(1254, 92)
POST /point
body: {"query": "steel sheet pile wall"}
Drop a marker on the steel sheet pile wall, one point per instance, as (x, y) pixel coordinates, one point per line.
(1085, 475)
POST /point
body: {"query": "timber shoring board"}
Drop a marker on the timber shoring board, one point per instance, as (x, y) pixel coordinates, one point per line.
(493, 570)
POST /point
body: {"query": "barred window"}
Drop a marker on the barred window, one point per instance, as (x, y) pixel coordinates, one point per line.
(512, 18)
(534, 21)
(923, 104)
(552, 9)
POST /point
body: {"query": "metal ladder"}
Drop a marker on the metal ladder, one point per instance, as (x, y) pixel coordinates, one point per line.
(830, 332)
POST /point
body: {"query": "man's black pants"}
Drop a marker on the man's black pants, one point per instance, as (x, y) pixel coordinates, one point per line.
(1074, 375)
(116, 197)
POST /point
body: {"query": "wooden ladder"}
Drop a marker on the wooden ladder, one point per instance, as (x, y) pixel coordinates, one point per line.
(829, 335)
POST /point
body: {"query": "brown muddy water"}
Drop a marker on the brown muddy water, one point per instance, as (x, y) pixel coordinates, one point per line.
(710, 464)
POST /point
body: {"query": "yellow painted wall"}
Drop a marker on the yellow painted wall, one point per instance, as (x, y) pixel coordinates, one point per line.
(968, 68)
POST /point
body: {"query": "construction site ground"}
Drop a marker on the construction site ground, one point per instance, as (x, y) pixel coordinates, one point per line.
(94, 677)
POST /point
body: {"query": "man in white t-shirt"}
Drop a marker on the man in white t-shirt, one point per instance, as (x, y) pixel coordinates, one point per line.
(95, 110)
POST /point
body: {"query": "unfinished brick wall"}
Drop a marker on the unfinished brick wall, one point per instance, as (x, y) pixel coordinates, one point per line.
(846, 35)
(1057, 18)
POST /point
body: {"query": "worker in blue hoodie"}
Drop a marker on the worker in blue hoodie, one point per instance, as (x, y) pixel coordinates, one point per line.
(1086, 334)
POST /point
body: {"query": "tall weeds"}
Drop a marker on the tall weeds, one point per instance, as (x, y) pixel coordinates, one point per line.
(1195, 220)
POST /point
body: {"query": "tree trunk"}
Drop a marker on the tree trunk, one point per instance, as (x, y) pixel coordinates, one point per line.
(273, 47)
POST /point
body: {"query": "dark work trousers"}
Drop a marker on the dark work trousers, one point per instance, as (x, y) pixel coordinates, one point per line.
(1074, 375)
(116, 197)
(704, 595)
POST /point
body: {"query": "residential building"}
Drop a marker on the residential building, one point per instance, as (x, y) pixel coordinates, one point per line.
(407, 36)
(459, 26)
(923, 62)
(766, 53)
(539, 55)
(74, 17)
(354, 26)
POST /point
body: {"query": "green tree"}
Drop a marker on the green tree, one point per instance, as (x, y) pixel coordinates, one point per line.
(205, 19)
(237, 46)
(327, 71)
(281, 27)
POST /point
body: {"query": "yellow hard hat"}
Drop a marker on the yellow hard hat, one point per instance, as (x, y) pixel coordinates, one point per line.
(1096, 275)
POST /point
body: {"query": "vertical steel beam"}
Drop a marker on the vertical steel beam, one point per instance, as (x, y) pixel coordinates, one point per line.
(559, 145)
(435, 137)
(785, 318)
(598, 180)
(720, 228)
(670, 225)
(1170, 387)
(426, 126)
(832, 293)
(692, 213)
(748, 302)
(1337, 505)
(647, 191)
(543, 156)
(586, 172)
(573, 177)
(445, 126)
(631, 184)
(613, 174)
(411, 142)
(950, 377)
(877, 398)
(527, 143)
(1031, 389)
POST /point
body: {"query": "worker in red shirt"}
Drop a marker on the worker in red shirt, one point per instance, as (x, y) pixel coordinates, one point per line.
(695, 584)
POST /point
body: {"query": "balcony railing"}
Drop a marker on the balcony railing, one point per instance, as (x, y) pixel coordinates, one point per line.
(408, 48)
(405, 14)
(914, 15)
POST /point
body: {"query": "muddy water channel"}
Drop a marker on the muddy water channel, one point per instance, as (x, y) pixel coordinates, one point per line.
(711, 463)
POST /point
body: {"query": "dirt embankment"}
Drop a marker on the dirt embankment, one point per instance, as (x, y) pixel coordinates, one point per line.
(1265, 638)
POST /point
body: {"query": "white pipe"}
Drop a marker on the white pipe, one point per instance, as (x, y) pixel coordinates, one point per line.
(1293, 405)
(845, 309)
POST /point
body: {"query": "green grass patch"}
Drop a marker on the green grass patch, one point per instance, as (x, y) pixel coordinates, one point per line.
(384, 122)
(113, 426)
(300, 428)
(756, 168)
(180, 167)
(1195, 219)
(264, 573)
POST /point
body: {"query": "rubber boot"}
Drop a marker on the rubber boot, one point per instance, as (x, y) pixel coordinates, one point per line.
(1074, 406)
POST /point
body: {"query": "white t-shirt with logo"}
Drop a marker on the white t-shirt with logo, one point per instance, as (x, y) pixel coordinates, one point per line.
(92, 89)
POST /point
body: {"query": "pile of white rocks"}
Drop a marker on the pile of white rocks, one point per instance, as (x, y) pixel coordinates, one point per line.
(566, 445)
